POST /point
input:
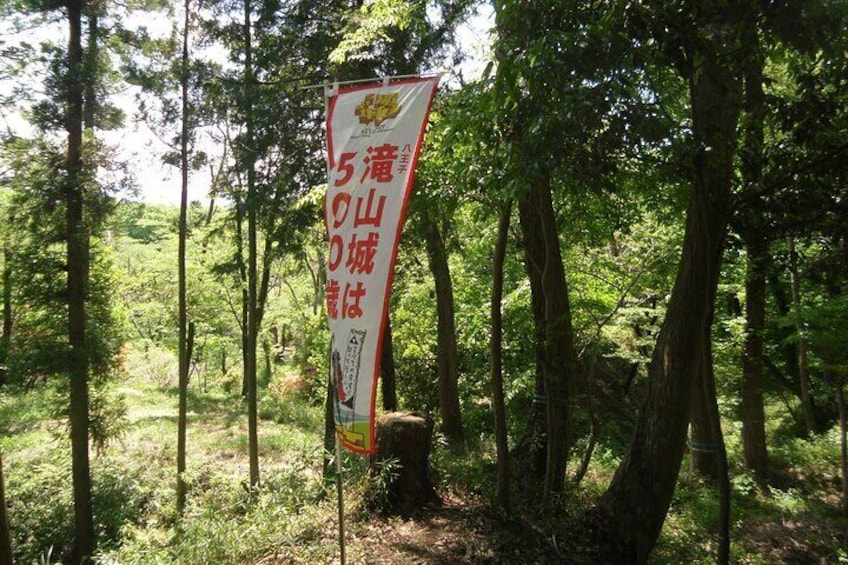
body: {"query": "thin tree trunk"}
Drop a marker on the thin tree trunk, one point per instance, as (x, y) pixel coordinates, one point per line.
(628, 518)
(803, 368)
(77, 265)
(5, 532)
(182, 420)
(843, 440)
(703, 446)
(6, 337)
(446, 334)
(252, 308)
(387, 369)
(495, 352)
(329, 423)
(754, 448)
(722, 474)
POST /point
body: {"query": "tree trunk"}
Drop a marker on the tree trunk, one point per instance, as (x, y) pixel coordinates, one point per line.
(405, 438)
(843, 440)
(5, 532)
(755, 453)
(722, 475)
(77, 265)
(446, 333)
(6, 337)
(703, 447)
(495, 352)
(329, 426)
(628, 518)
(387, 369)
(754, 450)
(182, 420)
(803, 368)
(535, 437)
(541, 240)
(252, 228)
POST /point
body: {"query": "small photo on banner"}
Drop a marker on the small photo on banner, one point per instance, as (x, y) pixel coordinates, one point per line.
(374, 136)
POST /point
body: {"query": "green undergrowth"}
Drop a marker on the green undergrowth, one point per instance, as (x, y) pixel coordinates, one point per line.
(291, 517)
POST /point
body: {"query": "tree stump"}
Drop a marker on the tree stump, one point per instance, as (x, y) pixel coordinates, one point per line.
(405, 438)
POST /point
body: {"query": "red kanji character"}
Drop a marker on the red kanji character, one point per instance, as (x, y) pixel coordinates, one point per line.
(360, 254)
(333, 298)
(339, 208)
(352, 296)
(378, 163)
(368, 217)
(336, 252)
(346, 167)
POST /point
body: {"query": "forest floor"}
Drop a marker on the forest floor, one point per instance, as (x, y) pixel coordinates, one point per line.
(292, 519)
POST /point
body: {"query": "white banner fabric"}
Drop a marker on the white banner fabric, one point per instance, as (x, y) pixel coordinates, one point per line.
(374, 136)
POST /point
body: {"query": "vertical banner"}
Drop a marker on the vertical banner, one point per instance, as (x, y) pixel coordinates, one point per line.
(374, 135)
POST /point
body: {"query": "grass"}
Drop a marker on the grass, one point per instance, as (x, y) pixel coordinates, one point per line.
(292, 517)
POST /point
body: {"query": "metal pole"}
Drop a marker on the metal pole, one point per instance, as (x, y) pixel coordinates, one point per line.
(330, 383)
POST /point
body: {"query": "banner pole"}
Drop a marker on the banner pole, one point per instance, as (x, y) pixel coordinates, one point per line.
(339, 476)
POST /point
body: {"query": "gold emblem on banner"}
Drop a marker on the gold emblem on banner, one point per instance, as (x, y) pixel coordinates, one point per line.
(377, 108)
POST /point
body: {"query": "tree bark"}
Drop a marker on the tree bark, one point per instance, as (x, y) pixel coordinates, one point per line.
(495, 352)
(703, 447)
(446, 334)
(755, 453)
(77, 265)
(535, 437)
(628, 518)
(182, 419)
(843, 441)
(6, 337)
(754, 450)
(405, 438)
(721, 471)
(803, 368)
(541, 241)
(5, 532)
(252, 228)
(387, 369)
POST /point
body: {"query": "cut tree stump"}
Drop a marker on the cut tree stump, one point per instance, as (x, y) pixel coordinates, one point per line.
(405, 437)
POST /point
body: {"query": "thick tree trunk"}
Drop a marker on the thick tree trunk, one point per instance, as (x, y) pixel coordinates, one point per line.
(535, 437)
(77, 265)
(182, 420)
(405, 438)
(803, 367)
(495, 352)
(754, 449)
(387, 369)
(541, 240)
(5, 532)
(628, 519)
(446, 334)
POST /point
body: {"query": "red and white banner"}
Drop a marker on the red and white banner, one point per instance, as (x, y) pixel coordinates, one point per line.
(374, 135)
